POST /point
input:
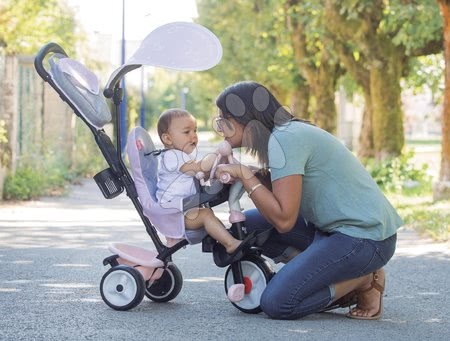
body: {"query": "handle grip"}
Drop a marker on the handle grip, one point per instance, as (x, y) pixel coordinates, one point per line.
(43, 52)
(115, 78)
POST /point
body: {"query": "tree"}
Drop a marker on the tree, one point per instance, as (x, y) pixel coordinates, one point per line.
(314, 59)
(280, 47)
(26, 25)
(441, 189)
(256, 46)
(375, 39)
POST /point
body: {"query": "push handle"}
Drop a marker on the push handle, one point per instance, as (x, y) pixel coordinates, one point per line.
(43, 52)
(115, 78)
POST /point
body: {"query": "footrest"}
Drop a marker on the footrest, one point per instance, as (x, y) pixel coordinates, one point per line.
(222, 258)
(208, 244)
(141, 259)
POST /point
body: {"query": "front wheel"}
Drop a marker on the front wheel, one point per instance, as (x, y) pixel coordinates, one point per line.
(167, 287)
(257, 273)
(122, 287)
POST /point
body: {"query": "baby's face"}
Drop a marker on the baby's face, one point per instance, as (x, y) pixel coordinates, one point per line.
(183, 134)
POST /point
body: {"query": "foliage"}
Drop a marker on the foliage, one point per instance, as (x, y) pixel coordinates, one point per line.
(30, 182)
(400, 174)
(25, 184)
(416, 33)
(258, 49)
(87, 159)
(200, 100)
(4, 152)
(165, 91)
(375, 40)
(423, 215)
(26, 25)
(50, 171)
(426, 72)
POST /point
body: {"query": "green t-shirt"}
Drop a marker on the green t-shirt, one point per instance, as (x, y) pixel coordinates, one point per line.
(338, 193)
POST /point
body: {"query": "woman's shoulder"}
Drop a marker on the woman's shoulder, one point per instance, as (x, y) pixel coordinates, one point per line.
(293, 129)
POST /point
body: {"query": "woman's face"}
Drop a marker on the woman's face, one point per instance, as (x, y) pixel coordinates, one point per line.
(230, 129)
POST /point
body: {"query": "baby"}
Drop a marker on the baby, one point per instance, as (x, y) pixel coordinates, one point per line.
(177, 130)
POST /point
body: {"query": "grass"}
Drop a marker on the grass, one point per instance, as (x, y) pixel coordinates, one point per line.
(428, 218)
(419, 212)
(417, 142)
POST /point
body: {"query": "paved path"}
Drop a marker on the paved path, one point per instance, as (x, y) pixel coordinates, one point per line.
(51, 254)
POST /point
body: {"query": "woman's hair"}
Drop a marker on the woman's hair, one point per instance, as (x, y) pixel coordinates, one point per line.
(257, 109)
(165, 119)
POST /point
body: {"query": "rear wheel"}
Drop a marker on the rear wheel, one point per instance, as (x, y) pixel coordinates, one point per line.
(167, 287)
(257, 273)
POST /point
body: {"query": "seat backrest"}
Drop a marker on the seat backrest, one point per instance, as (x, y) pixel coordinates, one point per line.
(82, 88)
(168, 220)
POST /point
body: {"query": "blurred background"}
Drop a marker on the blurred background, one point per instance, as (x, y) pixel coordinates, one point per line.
(370, 72)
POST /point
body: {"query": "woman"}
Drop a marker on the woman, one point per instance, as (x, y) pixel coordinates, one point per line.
(339, 254)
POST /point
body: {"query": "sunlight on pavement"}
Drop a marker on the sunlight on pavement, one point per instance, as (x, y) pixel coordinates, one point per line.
(68, 285)
(9, 290)
(204, 279)
(73, 265)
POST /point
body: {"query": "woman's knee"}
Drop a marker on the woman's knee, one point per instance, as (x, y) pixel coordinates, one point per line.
(274, 307)
(269, 306)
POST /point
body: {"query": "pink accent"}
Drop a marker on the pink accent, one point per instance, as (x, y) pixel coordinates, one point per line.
(172, 241)
(225, 178)
(133, 255)
(167, 220)
(139, 144)
(201, 177)
(236, 292)
(236, 217)
(224, 148)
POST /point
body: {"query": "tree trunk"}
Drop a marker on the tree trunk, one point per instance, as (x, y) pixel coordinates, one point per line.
(384, 64)
(322, 81)
(321, 78)
(385, 90)
(365, 141)
(441, 189)
(299, 102)
(323, 88)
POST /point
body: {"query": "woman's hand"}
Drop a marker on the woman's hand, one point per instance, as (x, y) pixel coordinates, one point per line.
(236, 171)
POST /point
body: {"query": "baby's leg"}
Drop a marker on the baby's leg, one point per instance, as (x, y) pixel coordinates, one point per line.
(204, 217)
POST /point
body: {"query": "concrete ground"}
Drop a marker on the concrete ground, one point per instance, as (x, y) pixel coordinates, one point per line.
(51, 254)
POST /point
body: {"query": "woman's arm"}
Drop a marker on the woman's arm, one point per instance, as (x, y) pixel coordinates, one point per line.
(280, 206)
(195, 166)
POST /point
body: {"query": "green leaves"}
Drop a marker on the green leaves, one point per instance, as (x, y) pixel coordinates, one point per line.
(26, 25)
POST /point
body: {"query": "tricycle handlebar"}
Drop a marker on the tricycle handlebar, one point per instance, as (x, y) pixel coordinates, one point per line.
(43, 52)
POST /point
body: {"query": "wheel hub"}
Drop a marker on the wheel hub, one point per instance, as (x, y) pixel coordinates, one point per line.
(248, 285)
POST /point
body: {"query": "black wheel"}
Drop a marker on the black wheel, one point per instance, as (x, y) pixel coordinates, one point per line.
(122, 287)
(167, 287)
(257, 273)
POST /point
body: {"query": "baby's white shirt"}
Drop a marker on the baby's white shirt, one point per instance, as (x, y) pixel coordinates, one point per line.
(172, 183)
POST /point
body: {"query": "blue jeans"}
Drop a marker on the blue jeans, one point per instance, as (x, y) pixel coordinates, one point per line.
(305, 285)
